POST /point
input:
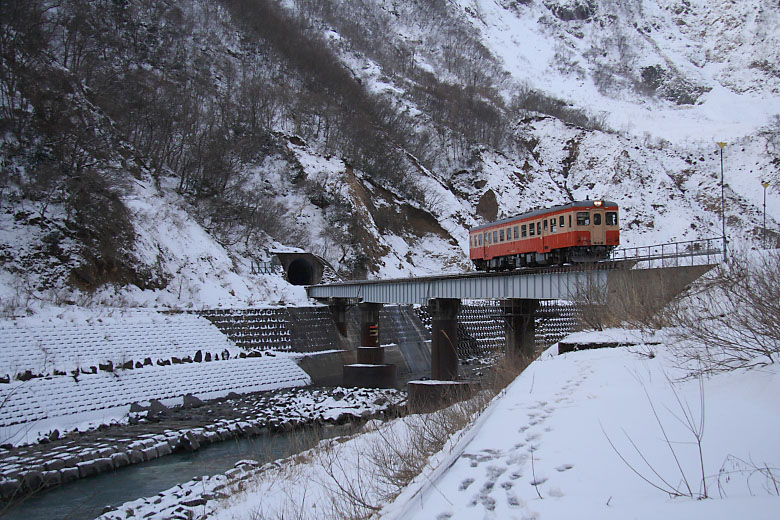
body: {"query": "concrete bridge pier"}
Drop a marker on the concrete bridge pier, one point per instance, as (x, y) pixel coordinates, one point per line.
(520, 326)
(370, 371)
(444, 338)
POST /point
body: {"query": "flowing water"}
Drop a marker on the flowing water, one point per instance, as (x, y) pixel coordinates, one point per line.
(86, 498)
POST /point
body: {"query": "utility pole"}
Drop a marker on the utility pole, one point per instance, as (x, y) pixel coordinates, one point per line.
(722, 201)
(765, 184)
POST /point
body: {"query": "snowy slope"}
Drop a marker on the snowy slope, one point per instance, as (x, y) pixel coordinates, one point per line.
(555, 424)
(658, 159)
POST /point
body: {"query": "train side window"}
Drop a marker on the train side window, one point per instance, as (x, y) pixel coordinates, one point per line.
(532, 230)
(495, 237)
(523, 230)
(561, 222)
(545, 223)
(583, 218)
(569, 221)
(597, 219)
(539, 228)
(517, 232)
(552, 224)
(501, 235)
(612, 218)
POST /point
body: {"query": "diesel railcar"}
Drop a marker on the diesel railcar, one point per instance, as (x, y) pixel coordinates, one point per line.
(582, 231)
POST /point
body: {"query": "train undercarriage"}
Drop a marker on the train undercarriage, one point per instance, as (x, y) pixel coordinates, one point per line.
(570, 255)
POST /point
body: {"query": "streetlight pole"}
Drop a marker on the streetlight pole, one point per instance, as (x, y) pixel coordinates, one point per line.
(722, 201)
(765, 184)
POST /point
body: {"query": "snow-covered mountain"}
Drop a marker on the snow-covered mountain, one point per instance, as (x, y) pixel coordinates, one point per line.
(371, 132)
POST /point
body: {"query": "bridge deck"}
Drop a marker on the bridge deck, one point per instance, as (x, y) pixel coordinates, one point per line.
(551, 283)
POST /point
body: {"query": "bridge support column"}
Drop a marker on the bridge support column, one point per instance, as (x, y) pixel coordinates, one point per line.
(370, 370)
(520, 327)
(444, 340)
(370, 351)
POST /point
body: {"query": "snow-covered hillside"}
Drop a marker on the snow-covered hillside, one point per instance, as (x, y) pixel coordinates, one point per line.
(591, 99)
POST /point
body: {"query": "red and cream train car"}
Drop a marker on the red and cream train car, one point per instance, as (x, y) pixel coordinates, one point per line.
(583, 231)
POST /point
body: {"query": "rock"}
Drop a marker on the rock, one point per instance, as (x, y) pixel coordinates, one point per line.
(191, 401)
(233, 395)
(54, 464)
(163, 448)
(120, 459)
(136, 408)
(198, 357)
(135, 456)
(104, 464)
(52, 478)
(69, 474)
(190, 442)
(10, 488)
(88, 468)
(54, 435)
(157, 408)
(150, 453)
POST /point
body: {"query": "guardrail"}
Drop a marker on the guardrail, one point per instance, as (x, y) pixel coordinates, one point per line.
(675, 254)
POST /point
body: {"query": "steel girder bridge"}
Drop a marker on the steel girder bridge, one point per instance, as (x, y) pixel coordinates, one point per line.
(520, 292)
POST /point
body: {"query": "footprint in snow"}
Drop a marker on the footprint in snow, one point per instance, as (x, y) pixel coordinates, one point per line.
(555, 492)
(445, 516)
(488, 503)
(507, 485)
(538, 481)
(465, 484)
(493, 472)
(517, 459)
(564, 467)
(513, 501)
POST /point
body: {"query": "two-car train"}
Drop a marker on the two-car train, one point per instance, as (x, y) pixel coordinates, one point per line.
(583, 231)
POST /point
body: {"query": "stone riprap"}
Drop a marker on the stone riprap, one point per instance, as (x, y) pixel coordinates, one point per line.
(41, 404)
(151, 435)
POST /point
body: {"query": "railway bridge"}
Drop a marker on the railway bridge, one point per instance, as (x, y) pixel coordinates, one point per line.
(651, 274)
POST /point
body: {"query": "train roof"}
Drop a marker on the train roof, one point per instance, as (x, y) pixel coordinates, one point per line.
(537, 212)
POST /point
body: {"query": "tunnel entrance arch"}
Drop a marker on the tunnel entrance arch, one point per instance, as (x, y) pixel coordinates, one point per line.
(301, 268)
(300, 272)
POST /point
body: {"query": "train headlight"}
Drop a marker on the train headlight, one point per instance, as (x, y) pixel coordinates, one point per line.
(597, 203)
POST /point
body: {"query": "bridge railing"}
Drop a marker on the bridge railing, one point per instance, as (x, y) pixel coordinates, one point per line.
(675, 254)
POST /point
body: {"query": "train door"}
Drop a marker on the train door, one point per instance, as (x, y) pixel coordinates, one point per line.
(598, 229)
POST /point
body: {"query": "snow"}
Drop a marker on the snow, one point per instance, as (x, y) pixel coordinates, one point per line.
(555, 426)
(529, 41)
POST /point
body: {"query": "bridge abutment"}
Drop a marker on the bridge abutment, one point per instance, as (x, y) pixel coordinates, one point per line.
(520, 326)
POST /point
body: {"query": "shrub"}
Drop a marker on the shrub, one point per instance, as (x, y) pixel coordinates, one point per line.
(732, 319)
